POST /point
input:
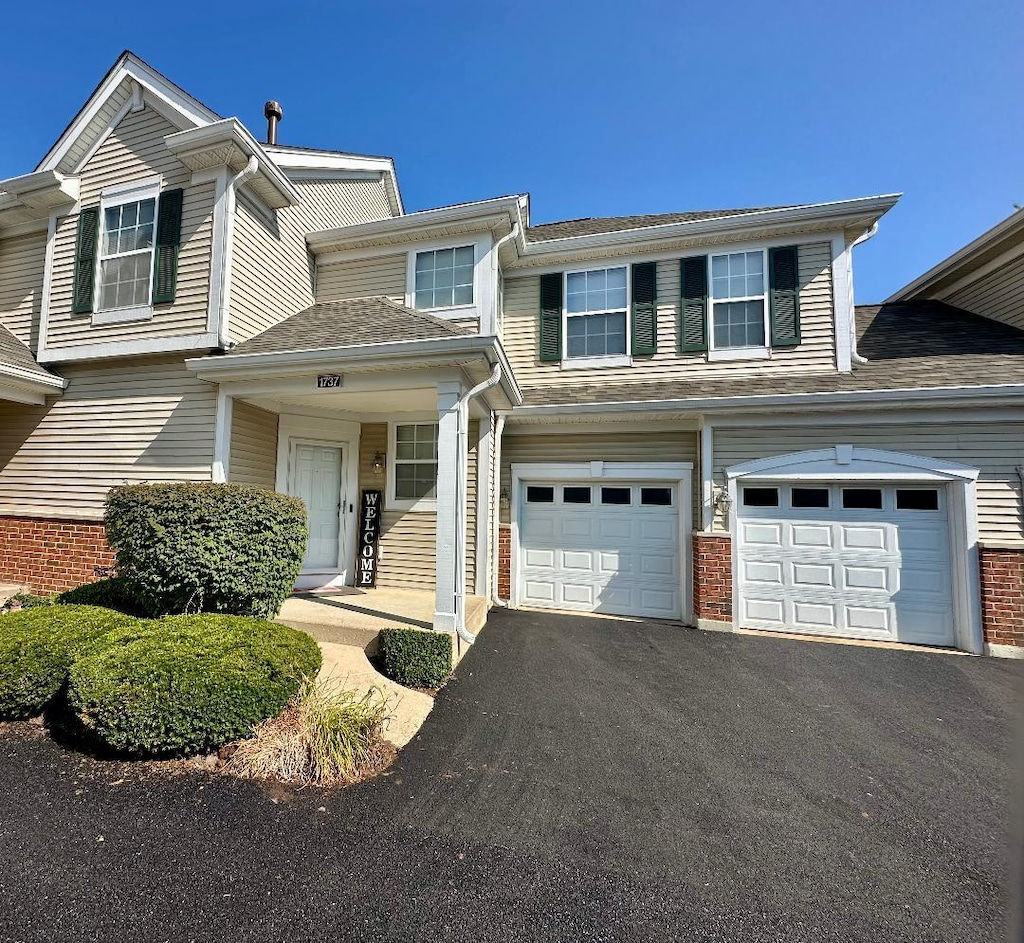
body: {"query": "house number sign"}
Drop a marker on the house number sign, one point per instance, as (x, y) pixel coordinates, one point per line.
(328, 381)
(369, 536)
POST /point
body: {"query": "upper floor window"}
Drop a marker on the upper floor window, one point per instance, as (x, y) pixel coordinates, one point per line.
(126, 254)
(444, 277)
(738, 301)
(595, 307)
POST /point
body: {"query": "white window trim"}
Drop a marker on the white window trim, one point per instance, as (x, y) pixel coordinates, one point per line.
(118, 195)
(607, 360)
(481, 258)
(762, 352)
(391, 502)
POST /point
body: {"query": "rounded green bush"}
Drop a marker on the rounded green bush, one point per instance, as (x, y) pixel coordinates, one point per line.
(38, 646)
(189, 683)
(110, 593)
(204, 547)
(414, 658)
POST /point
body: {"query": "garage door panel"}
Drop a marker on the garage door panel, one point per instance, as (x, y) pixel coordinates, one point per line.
(614, 558)
(882, 578)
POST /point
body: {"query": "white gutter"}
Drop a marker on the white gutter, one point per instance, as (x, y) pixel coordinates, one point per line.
(863, 237)
(33, 378)
(247, 173)
(796, 400)
(461, 498)
(499, 316)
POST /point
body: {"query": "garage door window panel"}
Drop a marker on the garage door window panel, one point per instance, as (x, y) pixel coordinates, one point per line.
(759, 497)
(540, 494)
(801, 498)
(619, 496)
(576, 494)
(917, 499)
(656, 497)
(862, 499)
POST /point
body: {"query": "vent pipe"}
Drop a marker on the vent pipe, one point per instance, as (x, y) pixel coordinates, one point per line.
(273, 112)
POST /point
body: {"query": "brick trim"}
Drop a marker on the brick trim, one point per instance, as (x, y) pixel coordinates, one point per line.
(712, 577)
(50, 555)
(1002, 595)
(504, 561)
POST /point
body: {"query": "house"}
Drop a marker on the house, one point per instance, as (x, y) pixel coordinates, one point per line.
(680, 416)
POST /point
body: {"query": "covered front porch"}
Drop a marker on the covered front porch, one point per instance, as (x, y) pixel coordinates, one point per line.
(389, 446)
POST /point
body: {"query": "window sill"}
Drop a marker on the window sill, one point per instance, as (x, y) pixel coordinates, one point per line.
(449, 313)
(592, 363)
(123, 315)
(426, 505)
(739, 353)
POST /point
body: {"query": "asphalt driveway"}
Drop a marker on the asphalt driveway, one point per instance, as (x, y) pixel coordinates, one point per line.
(581, 779)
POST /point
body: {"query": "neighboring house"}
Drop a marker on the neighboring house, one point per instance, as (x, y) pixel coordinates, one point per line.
(680, 416)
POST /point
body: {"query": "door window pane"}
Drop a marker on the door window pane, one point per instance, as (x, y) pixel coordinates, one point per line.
(809, 497)
(761, 497)
(917, 499)
(862, 499)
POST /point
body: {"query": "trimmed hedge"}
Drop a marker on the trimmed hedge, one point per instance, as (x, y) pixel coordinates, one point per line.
(38, 647)
(414, 658)
(189, 683)
(111, 593)
(203, 547)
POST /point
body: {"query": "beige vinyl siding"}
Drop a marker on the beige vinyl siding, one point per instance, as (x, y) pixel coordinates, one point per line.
(22, 259)
(187, 314)
(994, 448)
(408, 542)
(145, 419)
(516, 448)
(329, 204)
(816, 351)
(253, 459)
(998, 295)
(380, 275)
(271, 270)
(119, 97)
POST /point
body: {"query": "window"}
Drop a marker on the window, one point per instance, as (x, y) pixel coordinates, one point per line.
(917, 499)
(415, 462)
(761, 497)
(615, 496)
(738, 300)
(444, 278)
(809, 497)
(540, 494)
(862, 499)
(576, 494)
(659, 497)
(126, 250)
(595, 305)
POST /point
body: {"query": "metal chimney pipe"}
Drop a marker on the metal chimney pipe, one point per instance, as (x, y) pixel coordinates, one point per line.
(273, 112)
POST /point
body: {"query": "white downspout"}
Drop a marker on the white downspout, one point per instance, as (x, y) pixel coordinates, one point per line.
(461, 492)
(247, 173)
(864, 237)
(498, 432)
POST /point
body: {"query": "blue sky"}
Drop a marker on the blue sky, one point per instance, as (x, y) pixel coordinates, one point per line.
(595, 109)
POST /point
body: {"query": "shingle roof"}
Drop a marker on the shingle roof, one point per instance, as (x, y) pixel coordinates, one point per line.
(590, 226)
(908, 345)
(15, 354)
(348, 323)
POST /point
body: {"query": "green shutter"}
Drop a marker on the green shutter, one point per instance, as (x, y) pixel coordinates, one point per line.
(551, 317)
(168, 236)
(784, 295)
(693, 320)
(85, 259)
(645, 308)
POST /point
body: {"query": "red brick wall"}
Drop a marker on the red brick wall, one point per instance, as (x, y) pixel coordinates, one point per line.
(504, 561)
(712, 577)
(1002, 595)
(50, 555)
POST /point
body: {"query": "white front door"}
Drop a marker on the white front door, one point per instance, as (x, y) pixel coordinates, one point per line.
(601, 546)
(851, 559)
(316, 480)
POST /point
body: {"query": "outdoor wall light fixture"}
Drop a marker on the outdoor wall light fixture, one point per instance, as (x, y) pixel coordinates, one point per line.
(503, 500)
(378, 463)
(722, 502)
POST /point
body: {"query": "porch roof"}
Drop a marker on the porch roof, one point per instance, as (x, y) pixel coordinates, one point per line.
(21, 377)
(371, 320)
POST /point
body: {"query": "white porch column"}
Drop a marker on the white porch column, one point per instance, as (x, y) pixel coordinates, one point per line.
(485, 504)
(222, 437)
(449, 466)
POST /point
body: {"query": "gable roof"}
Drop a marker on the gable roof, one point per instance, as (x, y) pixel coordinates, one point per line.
(13, 353)
(590, 226)
(913, 345)
(350, 323)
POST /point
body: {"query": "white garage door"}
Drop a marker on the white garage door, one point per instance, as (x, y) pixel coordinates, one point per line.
(610, 547)
(854, 560)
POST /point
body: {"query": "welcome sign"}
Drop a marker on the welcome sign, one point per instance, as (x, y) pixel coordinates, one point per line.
(369, 536)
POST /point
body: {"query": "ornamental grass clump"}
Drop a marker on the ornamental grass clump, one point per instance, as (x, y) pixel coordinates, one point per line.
(328, 736)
